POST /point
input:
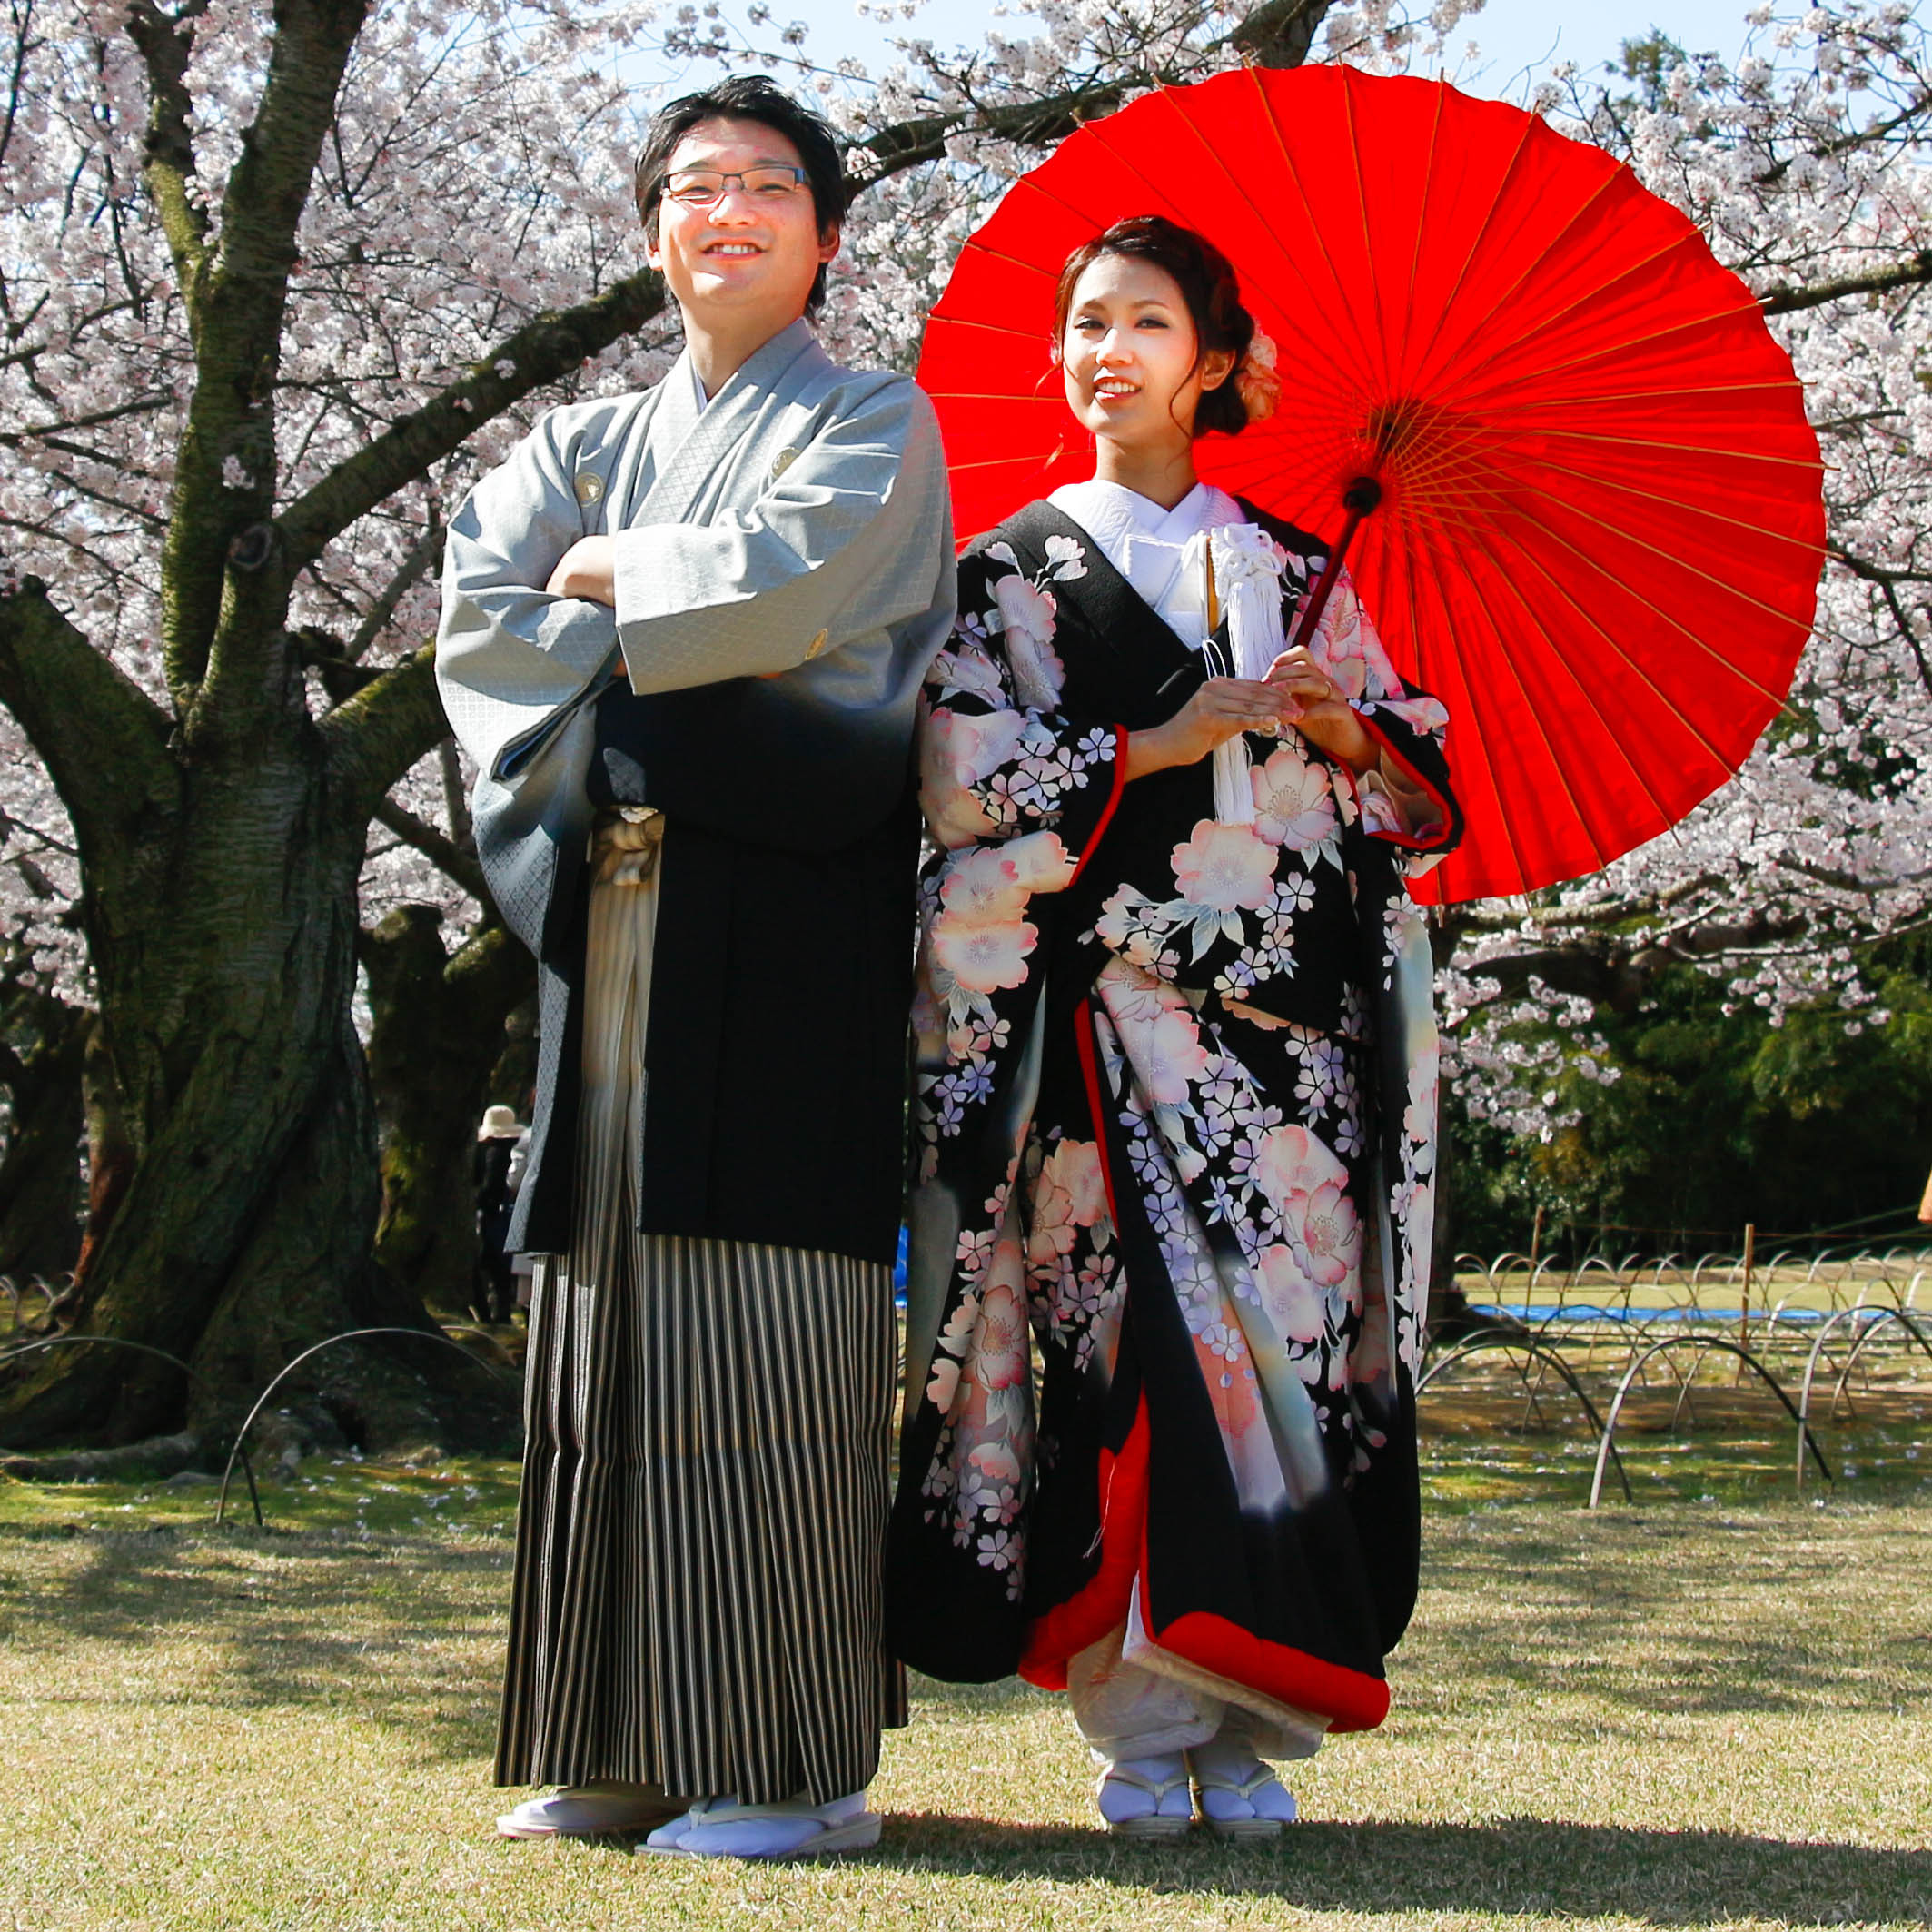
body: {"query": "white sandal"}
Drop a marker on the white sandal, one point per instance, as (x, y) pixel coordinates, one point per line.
(1210, 1779)
(1164, 1821)
(606, 1807)
(721, 1827)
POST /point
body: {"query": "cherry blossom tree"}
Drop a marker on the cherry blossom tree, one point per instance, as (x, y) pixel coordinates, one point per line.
(272, 284)
(1807, 165)
(276, 284)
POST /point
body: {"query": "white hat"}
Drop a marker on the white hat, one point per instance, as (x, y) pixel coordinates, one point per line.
(499, 1124)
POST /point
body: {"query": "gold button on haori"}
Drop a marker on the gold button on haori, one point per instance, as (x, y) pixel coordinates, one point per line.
(816, 645)
(589, 487)
(782, 461)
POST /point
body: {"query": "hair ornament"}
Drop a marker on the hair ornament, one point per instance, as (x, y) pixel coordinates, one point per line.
(1255, 382)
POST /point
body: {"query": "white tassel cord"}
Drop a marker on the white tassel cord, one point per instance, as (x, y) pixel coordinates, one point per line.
(1245, 564)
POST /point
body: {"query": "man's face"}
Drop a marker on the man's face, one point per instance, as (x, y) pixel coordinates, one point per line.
(748, 255)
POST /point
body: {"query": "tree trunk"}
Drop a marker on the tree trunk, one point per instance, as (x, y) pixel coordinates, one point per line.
(110, 1147)
(44, 1044)
(224, 938)
(439, 1035)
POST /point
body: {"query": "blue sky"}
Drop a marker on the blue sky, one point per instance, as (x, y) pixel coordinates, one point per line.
(1516, 37)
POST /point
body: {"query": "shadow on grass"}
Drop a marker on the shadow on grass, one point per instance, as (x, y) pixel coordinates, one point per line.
(406, 1631)
(1520, 1867)
(302, 1617)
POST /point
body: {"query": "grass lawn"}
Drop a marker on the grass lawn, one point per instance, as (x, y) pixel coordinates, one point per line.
(1682, 1714)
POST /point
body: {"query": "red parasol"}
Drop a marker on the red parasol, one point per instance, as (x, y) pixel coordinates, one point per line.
(1600, 527)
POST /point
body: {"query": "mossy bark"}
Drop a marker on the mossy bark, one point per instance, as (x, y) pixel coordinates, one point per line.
(44, 1046)
(223, 929)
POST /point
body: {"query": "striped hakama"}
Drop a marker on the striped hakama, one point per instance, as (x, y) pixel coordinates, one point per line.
(700, 1537)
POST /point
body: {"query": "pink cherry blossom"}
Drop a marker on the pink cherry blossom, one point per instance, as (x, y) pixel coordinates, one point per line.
(943, 1384)
(1165, 1053)
(1028, 616)
(1294, 804)
(957, 752)
(1225, 866)
(1040, 861)
(995, 1461)
(999, 1356)
(1293, 1302)
(982, 887)
(983, 958)
(1070, 1195)
(1331, 1232)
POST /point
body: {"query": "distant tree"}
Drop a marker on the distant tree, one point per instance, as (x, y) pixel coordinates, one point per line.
(1714, 1118)
(1805, 164)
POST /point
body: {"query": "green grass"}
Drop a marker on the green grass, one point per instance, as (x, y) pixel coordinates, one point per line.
(1681, 1714)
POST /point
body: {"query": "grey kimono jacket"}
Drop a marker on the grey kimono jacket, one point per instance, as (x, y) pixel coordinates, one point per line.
(783, 577)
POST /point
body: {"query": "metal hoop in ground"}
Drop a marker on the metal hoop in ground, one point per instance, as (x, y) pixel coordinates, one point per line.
(1703, 1344)
(160, 1355)
(1482, 1343)
(1876, 1319)
(349, 1334)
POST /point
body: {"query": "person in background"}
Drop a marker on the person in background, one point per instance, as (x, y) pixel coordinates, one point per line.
(497, 1140)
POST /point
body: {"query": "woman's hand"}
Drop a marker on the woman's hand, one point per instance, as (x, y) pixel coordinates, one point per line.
(1224, 708)
(588, 571)
(1311, 702)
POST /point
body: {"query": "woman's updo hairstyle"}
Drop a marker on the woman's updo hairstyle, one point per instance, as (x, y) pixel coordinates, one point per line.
(1207, 283)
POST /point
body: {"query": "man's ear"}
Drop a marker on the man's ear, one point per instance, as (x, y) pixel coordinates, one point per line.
(829, 242)
(653, 254)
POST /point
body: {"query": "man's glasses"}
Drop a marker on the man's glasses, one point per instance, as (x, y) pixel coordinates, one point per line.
(700, 187)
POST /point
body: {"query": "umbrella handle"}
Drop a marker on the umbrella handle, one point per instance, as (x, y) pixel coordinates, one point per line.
(1360, 500)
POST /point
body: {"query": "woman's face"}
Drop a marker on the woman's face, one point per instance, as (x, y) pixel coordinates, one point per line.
(1127, 355)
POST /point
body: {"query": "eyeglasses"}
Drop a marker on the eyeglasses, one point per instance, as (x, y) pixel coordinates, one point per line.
(700, 187)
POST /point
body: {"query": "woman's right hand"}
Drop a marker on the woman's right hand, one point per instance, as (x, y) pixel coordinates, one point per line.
(1224, 708)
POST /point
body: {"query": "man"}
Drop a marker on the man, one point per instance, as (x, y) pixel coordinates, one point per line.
(683, 638)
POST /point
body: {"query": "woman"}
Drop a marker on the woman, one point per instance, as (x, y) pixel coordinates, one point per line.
(1176, 1095)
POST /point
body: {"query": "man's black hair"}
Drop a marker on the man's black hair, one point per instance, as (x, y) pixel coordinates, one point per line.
(748, 97)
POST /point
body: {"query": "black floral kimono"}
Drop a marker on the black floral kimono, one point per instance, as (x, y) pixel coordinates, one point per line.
(1176, 1119)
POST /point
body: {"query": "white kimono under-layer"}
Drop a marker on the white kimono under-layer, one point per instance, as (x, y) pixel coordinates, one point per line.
(1160, 552)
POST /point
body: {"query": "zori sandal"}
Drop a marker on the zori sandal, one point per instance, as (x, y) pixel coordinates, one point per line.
(1146, 1798)
(1241, 1800)
(721, 1827)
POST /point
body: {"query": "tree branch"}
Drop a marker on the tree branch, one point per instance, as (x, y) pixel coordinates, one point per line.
(1033, 124)
(424, 554)
(168, 168)
(1619, 975)
(375, 737)
(1878, 132)
(1277, 34)
(103, 739)
(538, 354)
(454, 800)
(207, 634)
(1887, 582)
(1913, 273)
(441, 852)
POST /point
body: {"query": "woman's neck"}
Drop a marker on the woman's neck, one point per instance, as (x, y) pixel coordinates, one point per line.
(1163, 475)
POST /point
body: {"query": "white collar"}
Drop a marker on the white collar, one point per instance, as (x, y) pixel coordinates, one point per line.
(1148, 544)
